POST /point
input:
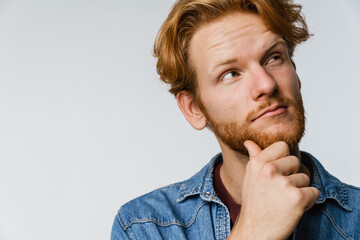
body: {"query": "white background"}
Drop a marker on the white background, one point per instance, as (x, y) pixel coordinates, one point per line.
(85, 124)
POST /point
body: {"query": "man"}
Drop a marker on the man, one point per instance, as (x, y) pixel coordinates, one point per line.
(229, 64)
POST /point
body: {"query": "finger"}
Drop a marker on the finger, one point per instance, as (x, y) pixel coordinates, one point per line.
(275, 151)
(252, 147)
(299, 180)
(286, 165)
(311, 195)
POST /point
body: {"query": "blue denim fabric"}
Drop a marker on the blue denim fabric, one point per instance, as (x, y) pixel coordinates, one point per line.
(191, 210)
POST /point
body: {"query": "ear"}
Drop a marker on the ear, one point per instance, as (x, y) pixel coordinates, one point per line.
(191, 110)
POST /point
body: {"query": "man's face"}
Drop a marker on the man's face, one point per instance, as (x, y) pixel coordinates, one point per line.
(248, 86)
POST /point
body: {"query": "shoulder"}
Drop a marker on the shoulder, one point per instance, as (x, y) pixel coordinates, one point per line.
(175, 204)
(148, 207)
(161, 207)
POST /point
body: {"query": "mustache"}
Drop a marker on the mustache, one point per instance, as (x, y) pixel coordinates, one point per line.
(267, 103)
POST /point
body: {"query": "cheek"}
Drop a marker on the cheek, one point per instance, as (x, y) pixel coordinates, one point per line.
(288, 82)
(225, 103)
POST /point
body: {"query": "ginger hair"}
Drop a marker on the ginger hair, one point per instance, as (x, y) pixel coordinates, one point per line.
(172, 43)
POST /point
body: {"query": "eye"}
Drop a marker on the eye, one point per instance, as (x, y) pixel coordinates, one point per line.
(274, 58)
(230, 75)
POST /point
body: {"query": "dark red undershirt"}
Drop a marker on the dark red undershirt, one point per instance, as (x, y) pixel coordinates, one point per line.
(224, 195)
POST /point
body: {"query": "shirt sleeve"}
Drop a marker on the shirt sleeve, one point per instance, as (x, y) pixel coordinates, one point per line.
(117, 232)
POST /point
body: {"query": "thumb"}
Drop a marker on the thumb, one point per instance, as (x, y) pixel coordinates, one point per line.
(252, 147)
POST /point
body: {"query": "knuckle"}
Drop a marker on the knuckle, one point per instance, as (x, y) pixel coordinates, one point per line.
(298, 196)
(285, 182)
(301, 200)
(270, 169)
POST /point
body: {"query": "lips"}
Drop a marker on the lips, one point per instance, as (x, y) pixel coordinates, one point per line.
(273, 110)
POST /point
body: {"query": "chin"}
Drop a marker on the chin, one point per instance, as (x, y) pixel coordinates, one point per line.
(290, 133)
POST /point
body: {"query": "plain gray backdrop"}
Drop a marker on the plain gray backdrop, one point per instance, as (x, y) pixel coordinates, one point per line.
(86, 125)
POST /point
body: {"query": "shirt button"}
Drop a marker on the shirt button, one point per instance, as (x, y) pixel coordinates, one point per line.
(207, 194)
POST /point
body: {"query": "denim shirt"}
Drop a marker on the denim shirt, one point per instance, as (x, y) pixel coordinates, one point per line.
(191, 210)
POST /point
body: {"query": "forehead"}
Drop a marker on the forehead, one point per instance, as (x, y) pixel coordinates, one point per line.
(232, 25)
(236, 35)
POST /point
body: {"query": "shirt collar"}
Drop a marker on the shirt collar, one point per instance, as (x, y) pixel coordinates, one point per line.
(201, 183)
(329, 186)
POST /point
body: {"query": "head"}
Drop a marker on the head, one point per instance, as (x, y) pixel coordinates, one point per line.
(229, 61)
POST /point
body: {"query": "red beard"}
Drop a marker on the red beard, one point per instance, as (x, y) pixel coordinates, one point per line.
(234, 134)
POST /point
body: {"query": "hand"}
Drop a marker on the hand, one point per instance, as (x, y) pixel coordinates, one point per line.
(274, 194)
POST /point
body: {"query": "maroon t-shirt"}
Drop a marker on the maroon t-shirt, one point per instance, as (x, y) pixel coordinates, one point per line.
(224, 195)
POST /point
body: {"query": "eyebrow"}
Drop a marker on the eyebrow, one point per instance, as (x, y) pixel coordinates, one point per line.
(274, 44)
(232, 60)
(226, 62)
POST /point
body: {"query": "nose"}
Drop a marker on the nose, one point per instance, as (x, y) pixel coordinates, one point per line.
(263, 84)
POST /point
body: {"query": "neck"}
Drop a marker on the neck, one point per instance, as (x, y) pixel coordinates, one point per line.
(234, 167)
